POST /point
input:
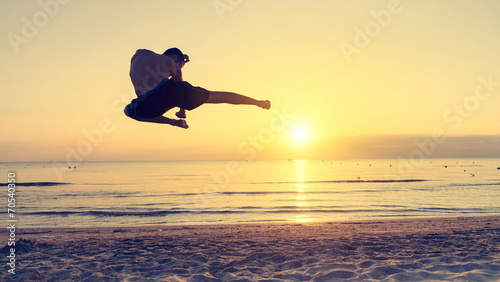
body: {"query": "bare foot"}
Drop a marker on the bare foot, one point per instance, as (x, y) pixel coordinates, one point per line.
(266, 105)
(181, 123)
(181, 113)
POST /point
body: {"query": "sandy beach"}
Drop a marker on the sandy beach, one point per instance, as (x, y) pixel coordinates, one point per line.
(437, 249)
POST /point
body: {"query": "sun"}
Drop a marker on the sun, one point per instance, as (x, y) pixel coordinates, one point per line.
(300, 134)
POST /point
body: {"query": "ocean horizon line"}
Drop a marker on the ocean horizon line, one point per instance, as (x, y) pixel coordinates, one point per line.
(243, 160)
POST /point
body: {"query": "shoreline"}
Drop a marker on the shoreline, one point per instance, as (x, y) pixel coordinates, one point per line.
(154, 227)
(415, 249)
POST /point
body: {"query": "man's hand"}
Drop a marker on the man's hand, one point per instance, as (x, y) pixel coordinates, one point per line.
(186, 58)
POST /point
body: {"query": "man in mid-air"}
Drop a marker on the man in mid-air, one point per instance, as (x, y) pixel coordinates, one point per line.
(159, 86)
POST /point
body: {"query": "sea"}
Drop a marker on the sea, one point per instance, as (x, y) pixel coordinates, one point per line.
(114, 194)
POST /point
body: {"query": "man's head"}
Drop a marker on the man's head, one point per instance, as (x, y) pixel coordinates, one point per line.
(177, 56)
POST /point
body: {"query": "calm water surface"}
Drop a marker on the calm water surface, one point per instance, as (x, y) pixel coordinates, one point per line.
(204, 192)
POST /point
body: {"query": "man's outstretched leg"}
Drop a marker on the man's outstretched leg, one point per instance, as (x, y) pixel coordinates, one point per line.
(216, 97)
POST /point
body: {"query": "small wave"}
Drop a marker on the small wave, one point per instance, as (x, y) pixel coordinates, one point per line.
(345, 181)
(39, 184)
(474, 184)
(401, 211)
(257, 192)
(265, 193)
(468, 210)
(101, 213)
(294, 192)
(129, 213)
(51, 213)
(134, 213)
(174, 212)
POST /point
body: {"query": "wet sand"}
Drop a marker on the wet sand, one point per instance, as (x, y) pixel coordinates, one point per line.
(438, 249)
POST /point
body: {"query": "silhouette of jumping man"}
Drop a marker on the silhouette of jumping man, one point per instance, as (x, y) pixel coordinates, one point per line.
(159, 86)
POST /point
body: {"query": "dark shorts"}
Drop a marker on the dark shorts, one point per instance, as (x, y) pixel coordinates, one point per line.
(168, 94)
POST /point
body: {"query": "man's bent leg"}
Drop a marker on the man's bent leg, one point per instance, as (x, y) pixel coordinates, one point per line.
(216, 97)
(181, 113)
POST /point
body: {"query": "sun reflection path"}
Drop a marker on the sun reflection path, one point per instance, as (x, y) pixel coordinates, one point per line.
(301, 165)
(302, 189)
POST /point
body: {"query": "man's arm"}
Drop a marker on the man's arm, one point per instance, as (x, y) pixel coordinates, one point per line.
(171, 67)
(164, 120)
(178, 73)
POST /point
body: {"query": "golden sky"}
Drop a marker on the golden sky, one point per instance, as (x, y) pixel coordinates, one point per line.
(345, 78)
